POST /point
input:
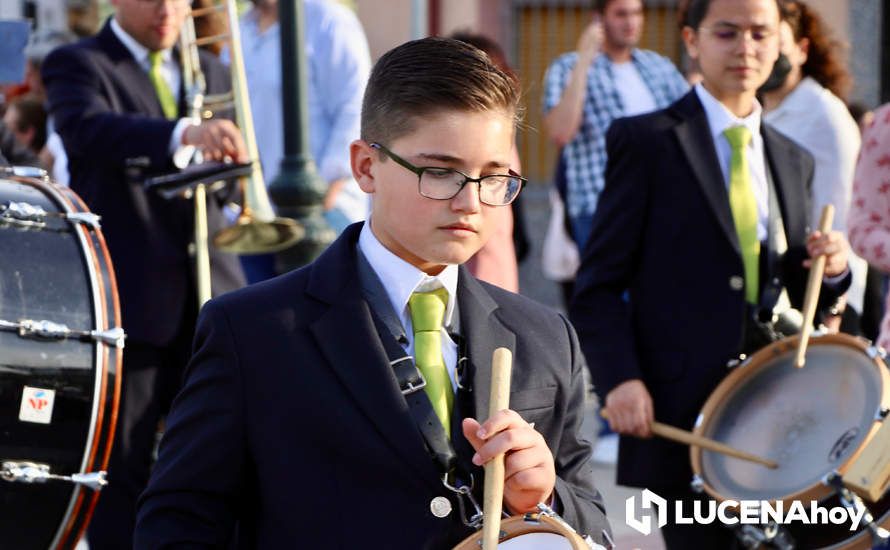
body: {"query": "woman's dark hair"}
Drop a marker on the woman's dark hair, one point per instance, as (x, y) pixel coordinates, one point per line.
(823, 62)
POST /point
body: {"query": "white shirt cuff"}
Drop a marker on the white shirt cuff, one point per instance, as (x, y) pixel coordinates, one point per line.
(182, 154)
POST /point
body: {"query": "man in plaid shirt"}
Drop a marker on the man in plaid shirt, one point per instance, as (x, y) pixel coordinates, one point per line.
(585, 90)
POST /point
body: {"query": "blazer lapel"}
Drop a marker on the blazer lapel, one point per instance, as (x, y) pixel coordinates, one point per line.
(784, 164)
(484, 333)
(349, 341)
(139, 87)
(694, 136)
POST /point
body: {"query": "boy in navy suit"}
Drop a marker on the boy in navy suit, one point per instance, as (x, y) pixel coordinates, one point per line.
(699, 240)
(300, 419)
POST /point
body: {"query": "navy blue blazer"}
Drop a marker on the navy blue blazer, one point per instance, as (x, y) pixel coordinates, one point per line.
(291, 422)
(111, 122)
(663, 233)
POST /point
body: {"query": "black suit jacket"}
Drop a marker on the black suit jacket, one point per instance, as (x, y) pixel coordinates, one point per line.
(110, 120)
(655, 295)
(291, 420)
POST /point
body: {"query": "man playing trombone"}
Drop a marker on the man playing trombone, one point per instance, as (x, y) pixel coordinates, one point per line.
(118, 104)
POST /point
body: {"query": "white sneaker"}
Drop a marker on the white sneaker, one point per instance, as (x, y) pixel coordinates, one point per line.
(605, 450)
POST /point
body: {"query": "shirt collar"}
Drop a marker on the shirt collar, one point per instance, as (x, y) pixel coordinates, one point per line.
(720, 118)
(400, 278)
(137, 50)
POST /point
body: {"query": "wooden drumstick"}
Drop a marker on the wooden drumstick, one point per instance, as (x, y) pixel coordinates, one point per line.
(493, 492)
(688, 438)
(814, 285)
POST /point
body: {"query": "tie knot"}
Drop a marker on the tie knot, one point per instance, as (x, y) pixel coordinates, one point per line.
(738, 137)
(428, 309)
(155, 59)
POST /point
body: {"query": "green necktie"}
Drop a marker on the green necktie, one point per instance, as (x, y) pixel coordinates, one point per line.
(744, 207)
(427, 312)
(165, 96)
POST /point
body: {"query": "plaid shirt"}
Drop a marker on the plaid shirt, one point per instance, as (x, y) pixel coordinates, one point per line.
(585, 155)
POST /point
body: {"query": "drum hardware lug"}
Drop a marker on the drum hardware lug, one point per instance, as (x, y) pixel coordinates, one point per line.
(739, 361)
(85, 218)
(24, 172)
(697, 484)
(875, 352)
(113, 337)
(32, 472)
(882, 414)
(23, 214)
(43, 330)
(48, 330)
(752, 537)
(698, 420)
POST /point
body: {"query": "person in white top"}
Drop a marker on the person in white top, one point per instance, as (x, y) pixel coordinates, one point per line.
(804, 99)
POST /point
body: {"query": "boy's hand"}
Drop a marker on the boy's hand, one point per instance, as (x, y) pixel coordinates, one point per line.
(529, 473)
(630, 409)
(834, 246)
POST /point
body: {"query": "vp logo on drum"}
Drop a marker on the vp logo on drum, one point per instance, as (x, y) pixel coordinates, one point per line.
(37, 405)
(650, 501)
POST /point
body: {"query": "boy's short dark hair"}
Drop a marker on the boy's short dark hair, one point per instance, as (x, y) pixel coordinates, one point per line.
(424, 76)
(696, 10)
(599, 6)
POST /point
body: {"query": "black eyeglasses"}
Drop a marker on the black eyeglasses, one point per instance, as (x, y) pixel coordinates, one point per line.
(445, 183)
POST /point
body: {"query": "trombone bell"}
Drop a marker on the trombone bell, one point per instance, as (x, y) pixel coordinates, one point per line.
(250, 235)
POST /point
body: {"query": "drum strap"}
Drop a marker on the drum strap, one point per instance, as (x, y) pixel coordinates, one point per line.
(409, 378)
(773, 292)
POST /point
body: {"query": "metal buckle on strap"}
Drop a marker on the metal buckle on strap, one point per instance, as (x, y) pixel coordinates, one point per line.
(408, 384)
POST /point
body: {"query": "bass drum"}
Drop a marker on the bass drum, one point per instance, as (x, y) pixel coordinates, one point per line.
(60, 363)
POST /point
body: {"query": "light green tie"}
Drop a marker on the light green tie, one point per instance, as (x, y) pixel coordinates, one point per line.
(744, 207)
(427, 312)
(165, 96)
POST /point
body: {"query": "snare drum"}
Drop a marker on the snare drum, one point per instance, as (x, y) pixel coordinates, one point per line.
(60, 360)
(812, 421)
(532, 532)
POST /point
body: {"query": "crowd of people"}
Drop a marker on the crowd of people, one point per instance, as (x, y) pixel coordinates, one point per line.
(688, 201)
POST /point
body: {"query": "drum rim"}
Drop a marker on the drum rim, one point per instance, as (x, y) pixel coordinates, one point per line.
(525, 524)
(753, 365)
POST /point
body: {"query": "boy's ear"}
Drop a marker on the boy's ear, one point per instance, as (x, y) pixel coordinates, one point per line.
(690, 39)
(362, 157)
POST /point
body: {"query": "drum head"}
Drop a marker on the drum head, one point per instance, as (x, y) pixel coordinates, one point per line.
(537, 541)
(809, 420)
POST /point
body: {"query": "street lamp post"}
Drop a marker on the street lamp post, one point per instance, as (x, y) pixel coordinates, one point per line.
(297, 190)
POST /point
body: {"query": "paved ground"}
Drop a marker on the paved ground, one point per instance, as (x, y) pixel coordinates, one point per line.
(533, 284)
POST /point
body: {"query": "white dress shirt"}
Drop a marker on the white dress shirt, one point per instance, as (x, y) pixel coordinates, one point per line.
(400, 279)
(719, 119)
